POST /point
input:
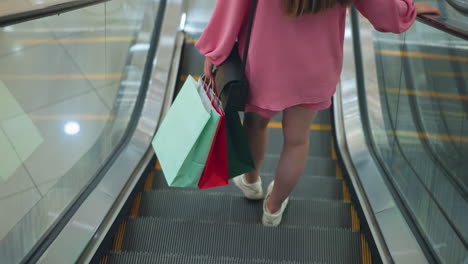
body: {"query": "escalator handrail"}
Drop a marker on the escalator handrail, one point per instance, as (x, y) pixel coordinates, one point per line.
(446, 24)
(461, 6)
(44, 11)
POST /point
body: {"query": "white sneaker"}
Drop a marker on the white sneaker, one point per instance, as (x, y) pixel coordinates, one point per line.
(252, 191)
(269, 219)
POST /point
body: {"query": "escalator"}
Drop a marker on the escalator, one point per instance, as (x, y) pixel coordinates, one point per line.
(168, 225)
(321, 225)
(385, 180)
(179, 225)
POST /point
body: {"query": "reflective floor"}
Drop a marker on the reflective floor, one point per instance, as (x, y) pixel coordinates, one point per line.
(59, 82)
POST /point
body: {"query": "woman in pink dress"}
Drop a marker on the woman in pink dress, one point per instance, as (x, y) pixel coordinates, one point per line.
(294, 65)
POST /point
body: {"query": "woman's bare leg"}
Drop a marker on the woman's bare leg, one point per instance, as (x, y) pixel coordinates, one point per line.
(256, 128)
(296, 130)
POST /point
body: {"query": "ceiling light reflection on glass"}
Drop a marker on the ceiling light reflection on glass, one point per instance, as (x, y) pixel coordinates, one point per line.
(72, 128)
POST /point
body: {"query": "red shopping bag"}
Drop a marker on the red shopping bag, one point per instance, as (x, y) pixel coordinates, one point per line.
(216, 172)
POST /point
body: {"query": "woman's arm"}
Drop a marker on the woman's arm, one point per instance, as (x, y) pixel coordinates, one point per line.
(394, 16)
(220, 35)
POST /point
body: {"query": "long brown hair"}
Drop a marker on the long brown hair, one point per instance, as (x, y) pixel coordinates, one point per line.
(297, 8)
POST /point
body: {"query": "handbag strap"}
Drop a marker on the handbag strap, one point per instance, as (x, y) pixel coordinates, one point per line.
(253, 7)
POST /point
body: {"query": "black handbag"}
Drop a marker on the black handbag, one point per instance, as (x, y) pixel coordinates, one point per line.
(230, 80)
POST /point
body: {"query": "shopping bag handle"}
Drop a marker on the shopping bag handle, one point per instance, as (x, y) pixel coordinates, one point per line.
(212, 95)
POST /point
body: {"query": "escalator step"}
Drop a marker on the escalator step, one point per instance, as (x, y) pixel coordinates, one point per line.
(323, 117)
(305, 245)
(319, 188)
(320, 142)
(196, 206)
(321, 166)
(149, 258)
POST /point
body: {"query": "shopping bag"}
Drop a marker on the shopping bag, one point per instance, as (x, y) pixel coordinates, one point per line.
(239, 156)
(184, 138)
(216, 168)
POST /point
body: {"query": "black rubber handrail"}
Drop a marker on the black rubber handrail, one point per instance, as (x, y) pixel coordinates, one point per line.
(46, 11)
(446, 24)
(460, 5)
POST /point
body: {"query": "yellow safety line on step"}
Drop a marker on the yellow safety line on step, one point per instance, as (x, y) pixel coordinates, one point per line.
(136, 206)
(118, 240)
(122, 236)
(356, 225)
(316, 127)
(368, 252)
(157, 166)
(363, 256)
(339, 173)
(275, 125)
(321, 127)
(358, 221)
(191, 40)
(149, 181)
(365, 251)
(346, 195)
(333, 152)
(104, 260)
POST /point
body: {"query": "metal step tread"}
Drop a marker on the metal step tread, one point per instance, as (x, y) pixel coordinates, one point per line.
(320, 143)
(151, 258)
(305, 245)
(315, 165)
(319, 188)
(222, 208)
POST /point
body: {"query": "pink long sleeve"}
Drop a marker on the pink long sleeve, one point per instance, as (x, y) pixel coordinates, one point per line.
(220, 35)
(293, 61)
(394, 16)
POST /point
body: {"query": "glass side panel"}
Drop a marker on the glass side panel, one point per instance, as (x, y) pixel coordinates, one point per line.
(419, 127)
(68, 86)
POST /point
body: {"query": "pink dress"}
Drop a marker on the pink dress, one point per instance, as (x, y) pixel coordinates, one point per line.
(293, 61)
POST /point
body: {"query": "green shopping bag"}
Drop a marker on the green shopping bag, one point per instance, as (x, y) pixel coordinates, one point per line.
(239, 156)
(184, 139)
